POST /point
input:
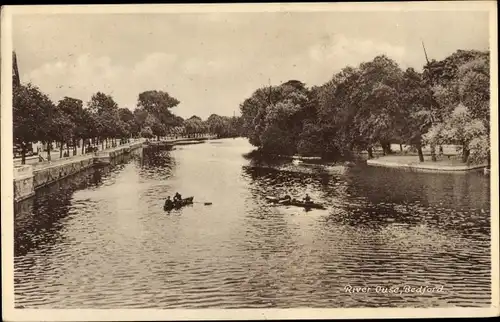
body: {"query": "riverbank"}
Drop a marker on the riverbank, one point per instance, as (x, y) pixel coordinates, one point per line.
(180, 141)
(412, 163)
(29, 178)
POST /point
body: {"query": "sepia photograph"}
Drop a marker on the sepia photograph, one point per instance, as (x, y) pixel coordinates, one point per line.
(249, 161)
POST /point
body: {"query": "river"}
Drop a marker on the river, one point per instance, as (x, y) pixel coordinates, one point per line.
(102, 239)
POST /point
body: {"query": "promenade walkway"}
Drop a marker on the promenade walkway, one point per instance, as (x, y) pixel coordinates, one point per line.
(55, 154)
(56, 160)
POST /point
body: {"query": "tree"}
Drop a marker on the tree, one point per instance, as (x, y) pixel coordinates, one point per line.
(158, 105)
(88, 128)
(146, 132)
(375, 96)
(73, 110)
(140, 116)
(194, 125)
(418, 107)
(218, 125)
(61, 128)
(462, 129)
(261, 113)
(128, 125)
(278, 135)
(460, 85)
(105, 112)
(235, 125)
(336, 115)
(253, 111)
(31, 116)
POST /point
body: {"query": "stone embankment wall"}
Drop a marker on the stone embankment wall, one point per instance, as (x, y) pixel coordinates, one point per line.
(28, 178)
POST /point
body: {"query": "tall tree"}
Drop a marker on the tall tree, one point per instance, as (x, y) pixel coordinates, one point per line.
(105, 112)
(417, 103)
(31, 116)
(158, 104)
(72, 108)
(194, 125)
(461, 87)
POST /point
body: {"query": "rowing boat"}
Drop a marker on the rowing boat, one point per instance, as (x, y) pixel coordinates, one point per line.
(179, 204)
(295, 202)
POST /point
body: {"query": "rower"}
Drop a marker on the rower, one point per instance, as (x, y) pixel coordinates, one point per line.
(177, 197)
(168, 203)
(307, 198)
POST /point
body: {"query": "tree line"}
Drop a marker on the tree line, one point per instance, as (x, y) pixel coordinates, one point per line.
(101, 121)
(377, 104)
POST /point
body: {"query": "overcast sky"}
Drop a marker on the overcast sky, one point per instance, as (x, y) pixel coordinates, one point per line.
(211, 62)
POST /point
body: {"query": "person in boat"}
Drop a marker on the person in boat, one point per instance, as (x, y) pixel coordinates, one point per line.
(285, 199)
(177, 197)
(307, 198)
(168, 203)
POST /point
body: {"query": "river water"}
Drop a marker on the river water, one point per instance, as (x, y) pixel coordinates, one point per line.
(102, 240)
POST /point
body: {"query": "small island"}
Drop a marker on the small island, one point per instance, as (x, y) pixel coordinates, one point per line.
(362, 112)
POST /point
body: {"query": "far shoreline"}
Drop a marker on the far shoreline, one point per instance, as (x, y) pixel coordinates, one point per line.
(405, 162)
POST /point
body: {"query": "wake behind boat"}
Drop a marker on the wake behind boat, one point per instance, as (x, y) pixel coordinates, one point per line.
(295, 202)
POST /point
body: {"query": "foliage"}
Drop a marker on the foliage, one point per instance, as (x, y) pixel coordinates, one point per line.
(32, 112)
(146, 132)
(194, 125)
(375, 103)
(464, 100)
(158, 104)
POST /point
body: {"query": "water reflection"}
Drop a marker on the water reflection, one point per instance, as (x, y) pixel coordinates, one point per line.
(104, 241)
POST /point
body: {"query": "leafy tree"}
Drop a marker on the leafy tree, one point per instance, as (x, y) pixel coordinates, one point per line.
(128, 125)
(461, 88)
(376, 98)
(261, 116)
(194, 125)
(215, 124)
(32, 112)
(61, 127)
(105, 111)
(253, 111)
(336, 115)
(74, 112)
(140, 116)
(418, 107)
(146, 132)
(460, 128)
(158, 105)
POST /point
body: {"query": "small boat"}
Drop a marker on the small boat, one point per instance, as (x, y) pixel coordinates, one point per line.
(179, 204)
(295, 202)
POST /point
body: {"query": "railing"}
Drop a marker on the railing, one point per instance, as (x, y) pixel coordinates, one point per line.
(48, 164)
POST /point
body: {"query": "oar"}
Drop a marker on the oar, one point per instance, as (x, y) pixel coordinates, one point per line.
(205, 203)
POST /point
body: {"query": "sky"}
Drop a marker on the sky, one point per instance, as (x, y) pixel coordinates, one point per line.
(211, 62)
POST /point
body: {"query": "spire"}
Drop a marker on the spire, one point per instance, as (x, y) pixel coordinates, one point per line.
(16, 81)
